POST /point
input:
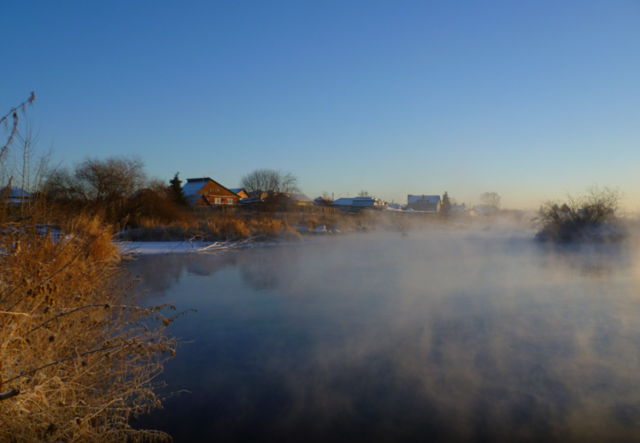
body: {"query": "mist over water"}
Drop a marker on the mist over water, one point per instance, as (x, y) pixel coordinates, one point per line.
(473, 336)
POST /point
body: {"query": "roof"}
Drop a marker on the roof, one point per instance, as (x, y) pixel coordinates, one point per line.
(343, 202)
(194, 199)
(237, 190)
(194, 185)
(366, 201)
(15, 192)
(411, 199)
(299, 197)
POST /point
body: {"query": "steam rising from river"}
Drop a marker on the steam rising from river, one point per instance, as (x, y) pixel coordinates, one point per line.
(439, 336)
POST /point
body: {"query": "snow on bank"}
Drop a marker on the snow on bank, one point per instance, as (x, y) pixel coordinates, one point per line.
(190, 247)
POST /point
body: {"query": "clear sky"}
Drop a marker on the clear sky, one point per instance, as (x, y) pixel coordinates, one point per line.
(530, 99)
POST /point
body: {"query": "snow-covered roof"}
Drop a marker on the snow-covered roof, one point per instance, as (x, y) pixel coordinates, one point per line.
(194, 185)
(343, 202)
(412, 199)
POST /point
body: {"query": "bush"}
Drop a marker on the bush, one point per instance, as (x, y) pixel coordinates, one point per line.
(77, 359)
(588, 218)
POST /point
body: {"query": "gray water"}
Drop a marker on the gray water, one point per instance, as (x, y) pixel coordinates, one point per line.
(377, 337)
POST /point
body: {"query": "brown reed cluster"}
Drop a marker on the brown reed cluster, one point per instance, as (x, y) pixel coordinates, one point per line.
(216, 226)
(78, 359)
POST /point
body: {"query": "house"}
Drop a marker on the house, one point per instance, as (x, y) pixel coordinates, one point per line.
(278, 202)
(300, 199)
(357, 203)
(321, 201)
(344, 204)
(240, 192)
(458, 208)
(286, 200)
(205, 191)
(425, 203)
(367, 202)
(14, 195)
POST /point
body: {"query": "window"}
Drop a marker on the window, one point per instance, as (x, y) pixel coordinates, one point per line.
(229, 201)
(218, 201)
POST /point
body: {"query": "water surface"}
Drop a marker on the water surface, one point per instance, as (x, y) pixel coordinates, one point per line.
(377, 337)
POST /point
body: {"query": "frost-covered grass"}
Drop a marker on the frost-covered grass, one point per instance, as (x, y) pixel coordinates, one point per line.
(77, 357)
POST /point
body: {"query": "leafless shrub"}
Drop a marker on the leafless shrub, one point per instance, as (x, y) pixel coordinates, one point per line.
(591, 217)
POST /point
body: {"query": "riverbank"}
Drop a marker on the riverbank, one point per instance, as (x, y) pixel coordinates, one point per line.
(131, 249)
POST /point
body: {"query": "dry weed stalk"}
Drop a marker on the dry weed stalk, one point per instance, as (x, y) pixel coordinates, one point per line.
(78, 359)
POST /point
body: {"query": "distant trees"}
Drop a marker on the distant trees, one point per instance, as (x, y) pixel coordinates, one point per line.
(491, 199)
(269, 182)
(445, 207)
(363, 193)
(96, 180)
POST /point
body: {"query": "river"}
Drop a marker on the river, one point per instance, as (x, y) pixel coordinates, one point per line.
(378, 337)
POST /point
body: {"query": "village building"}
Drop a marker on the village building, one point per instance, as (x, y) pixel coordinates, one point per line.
(344, 204)
(368, 202)
(288, 199)
(358, 203)
(321, 201)
(205, 192)
(14, 195)
(300, 199)
(240, 192)
(425, 203)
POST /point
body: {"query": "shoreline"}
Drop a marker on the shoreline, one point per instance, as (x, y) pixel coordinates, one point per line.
(133, 249)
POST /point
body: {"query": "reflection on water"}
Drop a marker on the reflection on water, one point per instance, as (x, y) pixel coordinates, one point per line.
(383, 338)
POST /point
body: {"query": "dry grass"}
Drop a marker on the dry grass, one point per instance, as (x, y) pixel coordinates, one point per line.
(78, 359)
(216, 226)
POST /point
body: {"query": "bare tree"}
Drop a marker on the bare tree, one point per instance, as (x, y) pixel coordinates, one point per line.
(491, 199)
(363, 193)
(95, 180)
(269, 182)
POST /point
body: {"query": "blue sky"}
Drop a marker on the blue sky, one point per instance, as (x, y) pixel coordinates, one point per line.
(530, 99)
